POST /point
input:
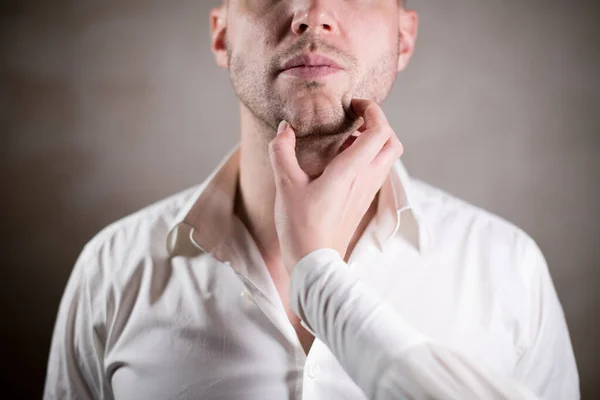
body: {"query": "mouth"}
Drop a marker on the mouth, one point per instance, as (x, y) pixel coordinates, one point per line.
(310, 66)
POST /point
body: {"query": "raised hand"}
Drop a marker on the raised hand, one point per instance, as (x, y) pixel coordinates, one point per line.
(324, 212)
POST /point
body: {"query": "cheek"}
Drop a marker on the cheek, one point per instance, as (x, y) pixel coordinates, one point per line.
(261, 20)
(245, 45)
(254, 35)
(371, 37)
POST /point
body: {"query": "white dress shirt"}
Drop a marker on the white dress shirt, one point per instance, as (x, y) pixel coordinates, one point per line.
(382, 353)
(200, 317)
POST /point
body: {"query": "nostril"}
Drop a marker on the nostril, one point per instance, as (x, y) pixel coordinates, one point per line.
(303, 28)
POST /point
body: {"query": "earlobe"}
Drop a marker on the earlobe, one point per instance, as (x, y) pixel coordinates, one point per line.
(401, 64)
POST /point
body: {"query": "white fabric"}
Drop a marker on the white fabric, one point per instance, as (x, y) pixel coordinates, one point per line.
(384, 355)
(175, 301)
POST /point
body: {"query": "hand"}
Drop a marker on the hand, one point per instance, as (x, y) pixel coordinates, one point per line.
(324, 212)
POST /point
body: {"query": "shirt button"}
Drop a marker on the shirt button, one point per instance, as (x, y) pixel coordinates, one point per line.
(247, 299)
(312, 371)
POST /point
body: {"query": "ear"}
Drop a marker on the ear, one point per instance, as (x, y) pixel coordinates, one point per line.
(407, 29)
(218, 33)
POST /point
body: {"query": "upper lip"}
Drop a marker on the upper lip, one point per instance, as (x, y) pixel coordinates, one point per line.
(310, 60)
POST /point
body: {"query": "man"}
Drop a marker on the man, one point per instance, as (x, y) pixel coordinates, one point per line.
(208, 315)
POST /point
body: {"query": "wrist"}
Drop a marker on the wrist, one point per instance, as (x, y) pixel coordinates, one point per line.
(308, 253)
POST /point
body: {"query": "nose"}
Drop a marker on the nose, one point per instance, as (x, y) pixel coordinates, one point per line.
(316, 19)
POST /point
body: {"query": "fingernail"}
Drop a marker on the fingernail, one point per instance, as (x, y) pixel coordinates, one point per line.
(283, 125)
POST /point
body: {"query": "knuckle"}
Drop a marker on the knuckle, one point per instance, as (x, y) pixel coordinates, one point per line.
(275, 146)
(283, 182)
(371, 109)
(384, 132)
(399, 148)
(396, 143)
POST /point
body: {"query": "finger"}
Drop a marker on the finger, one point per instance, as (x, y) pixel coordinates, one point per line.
(388, 155)
(282, 154)
(369, 143)
(361, 125)
(375, 130)
(382, 164)
(348, 142)
(370, 111)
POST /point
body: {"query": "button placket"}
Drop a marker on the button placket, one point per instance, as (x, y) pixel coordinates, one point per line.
(256, 297)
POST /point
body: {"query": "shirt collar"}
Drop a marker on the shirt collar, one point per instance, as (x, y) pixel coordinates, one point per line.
(206, 220)
(408, 205)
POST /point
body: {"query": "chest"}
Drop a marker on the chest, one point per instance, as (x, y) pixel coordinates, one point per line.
(216, 336)
(460, 303)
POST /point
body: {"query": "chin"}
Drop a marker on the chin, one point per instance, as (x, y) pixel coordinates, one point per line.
(317, 118)
(305, 128)
(315, 108)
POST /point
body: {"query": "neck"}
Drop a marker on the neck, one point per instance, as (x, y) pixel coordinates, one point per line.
(255, 202)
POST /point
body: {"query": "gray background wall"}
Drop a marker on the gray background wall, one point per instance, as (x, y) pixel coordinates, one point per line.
(107, 106)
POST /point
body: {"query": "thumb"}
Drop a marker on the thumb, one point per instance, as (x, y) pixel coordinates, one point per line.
(282, 153)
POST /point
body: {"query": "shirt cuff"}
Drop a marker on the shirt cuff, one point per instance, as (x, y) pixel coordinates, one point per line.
(317, 259)
(325, 293)
(349, 317)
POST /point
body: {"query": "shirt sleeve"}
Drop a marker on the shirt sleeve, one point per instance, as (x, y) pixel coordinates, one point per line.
(382, 353)
(547, 365)
(75, 364)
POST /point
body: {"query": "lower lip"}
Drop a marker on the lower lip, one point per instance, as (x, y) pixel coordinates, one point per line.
(311, 72)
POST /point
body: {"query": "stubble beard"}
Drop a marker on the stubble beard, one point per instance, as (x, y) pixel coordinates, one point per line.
(319, 133)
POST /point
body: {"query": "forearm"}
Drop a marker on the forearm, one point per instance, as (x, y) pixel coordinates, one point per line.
(385, 356)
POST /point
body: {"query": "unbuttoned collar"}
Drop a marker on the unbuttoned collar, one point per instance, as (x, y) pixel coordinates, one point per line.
(206, 221)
